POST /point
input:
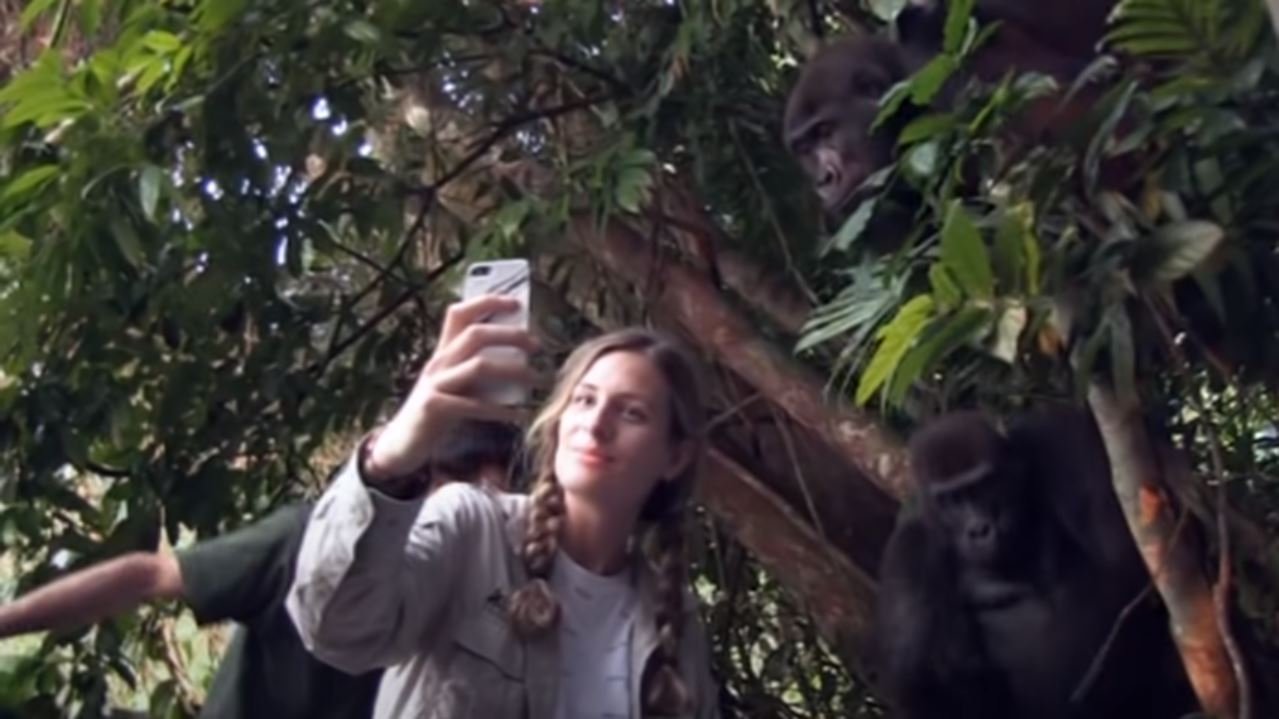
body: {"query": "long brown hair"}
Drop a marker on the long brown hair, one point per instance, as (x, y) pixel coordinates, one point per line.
(533, 608)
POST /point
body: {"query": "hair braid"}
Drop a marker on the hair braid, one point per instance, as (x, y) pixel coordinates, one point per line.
(665, 692)
(533, 608)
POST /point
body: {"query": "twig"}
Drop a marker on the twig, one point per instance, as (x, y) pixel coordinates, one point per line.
(724, 416)
(1099, 659)
(402, 299)
(506, 127)
(1222, 592)
(619, 86)
(789, 442)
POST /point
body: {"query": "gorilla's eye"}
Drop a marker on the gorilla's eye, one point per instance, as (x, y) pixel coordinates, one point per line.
(868, 87)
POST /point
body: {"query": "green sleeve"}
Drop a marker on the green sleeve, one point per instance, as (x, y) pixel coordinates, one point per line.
(240, 575)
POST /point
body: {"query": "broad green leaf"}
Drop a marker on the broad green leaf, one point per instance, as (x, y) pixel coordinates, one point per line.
(33, 11)
(921, 160)
(857, 309)
(162, 42)
(964, 253)
(631, 191)
(945, 292)
(126, 239)
(926, 127)
(851, 230)
(1009, 255)
(943, 336)
(30, 182)
(213, 15)
(14, 246)
(1097, 146)
(926, 83)
(363, 31)
(958, 15)
(45, 108)
(149, 181)
(1175, 250)
(896, 339)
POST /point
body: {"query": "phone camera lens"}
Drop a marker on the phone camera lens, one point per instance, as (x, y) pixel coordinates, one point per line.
(480, 271)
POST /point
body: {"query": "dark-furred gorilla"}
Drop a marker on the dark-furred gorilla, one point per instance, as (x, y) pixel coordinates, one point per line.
(1001, 584)
(832, 106)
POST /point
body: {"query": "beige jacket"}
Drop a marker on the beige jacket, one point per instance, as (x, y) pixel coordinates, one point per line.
(419, 587)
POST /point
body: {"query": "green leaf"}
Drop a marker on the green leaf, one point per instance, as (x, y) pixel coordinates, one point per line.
(149, 181)
(1010, 247)
(941, 338)
(851, 230)
(1175, 250)
(126, 239)
(162, 42)
(921, 160)
(897, 337)
(631, 191)
(213, 15)
(29, 182)
(858, 307)
(964, 253)
(32, 12)
(945, 291)
(14, 246)
(926, 127)
(957, 20)
(926, 83)
(363, 31)
(1121, 100)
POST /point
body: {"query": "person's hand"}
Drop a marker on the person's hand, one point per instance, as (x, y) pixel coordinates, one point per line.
(445, 392)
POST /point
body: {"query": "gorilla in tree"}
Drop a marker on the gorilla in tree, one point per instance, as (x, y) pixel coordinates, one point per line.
(1012, 587)
(831, 108)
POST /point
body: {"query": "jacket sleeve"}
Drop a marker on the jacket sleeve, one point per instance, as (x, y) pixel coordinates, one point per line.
(374, 574)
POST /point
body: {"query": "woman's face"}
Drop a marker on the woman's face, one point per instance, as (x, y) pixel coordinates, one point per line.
(614, 441)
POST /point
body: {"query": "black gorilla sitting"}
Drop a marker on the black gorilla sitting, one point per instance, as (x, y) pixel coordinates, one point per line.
(1001, 585)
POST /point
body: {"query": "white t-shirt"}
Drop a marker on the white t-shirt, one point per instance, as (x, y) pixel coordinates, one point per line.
(597, 616)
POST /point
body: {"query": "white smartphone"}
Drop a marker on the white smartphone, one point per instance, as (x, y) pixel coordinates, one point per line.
(509, 278)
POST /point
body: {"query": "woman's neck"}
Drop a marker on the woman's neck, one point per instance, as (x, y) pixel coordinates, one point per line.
(593, 537)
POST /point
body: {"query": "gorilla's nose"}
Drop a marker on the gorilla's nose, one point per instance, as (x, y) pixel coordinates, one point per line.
(980, 532)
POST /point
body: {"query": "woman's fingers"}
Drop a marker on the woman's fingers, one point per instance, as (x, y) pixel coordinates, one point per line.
(463, 407)
(464, 378)
(466, 313)
(470, 341)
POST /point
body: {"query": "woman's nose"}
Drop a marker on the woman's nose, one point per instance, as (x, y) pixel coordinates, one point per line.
(598, 422)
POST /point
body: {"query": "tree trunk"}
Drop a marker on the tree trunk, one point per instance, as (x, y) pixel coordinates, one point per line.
(829, 587)
(1172, 562)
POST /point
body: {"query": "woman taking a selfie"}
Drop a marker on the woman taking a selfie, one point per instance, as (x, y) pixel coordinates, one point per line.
(570, 602)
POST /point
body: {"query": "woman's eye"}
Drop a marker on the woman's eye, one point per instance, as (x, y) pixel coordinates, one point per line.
(583, 400)
(634, 414)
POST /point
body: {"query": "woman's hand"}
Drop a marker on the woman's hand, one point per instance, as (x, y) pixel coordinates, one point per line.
(445, 392)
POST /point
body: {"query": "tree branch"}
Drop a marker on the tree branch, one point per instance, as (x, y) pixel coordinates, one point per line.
(1173, 564)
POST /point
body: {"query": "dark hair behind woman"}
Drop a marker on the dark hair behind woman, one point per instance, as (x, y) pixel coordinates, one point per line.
(474, 444)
